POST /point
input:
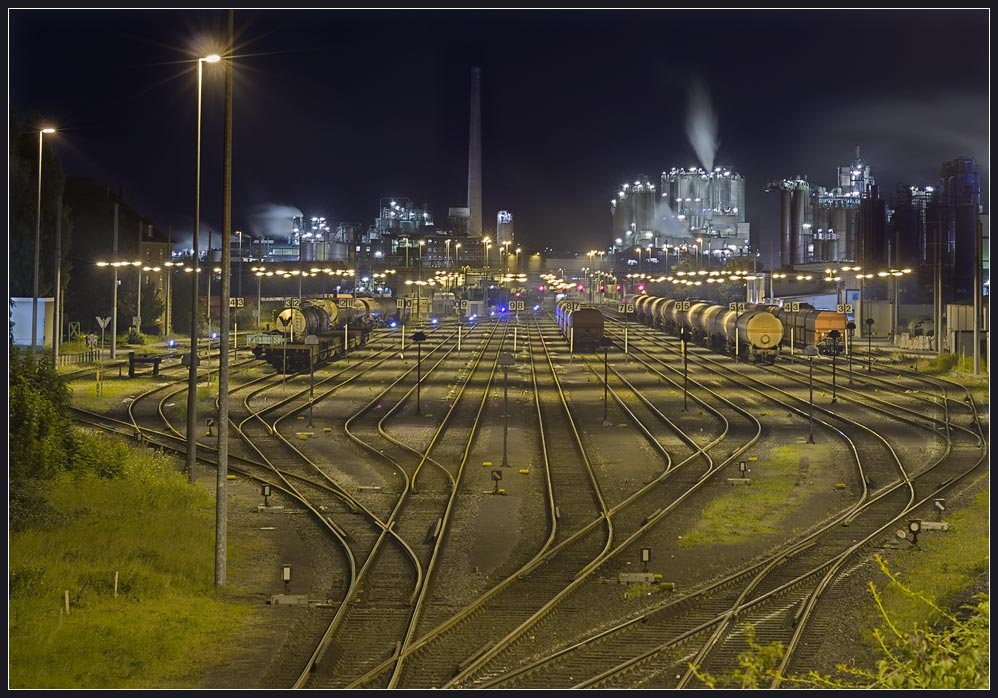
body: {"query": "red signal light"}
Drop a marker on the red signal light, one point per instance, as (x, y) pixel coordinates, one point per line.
(618, 287)
(580, 287)
(641, 287)
(540, 288)
(602, 288)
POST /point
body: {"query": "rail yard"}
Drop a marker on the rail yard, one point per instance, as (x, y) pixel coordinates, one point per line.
(490, 509)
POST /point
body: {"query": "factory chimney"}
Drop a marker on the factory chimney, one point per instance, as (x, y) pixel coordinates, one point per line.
(475, 156)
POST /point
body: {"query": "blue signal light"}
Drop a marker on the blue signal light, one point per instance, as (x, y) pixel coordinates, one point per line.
(171, 343)
(434, 321)
(392, 325)
(502, 309)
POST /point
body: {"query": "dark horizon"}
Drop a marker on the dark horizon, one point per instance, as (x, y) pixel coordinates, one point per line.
(335, 109)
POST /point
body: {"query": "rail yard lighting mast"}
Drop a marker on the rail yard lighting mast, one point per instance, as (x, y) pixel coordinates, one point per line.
(192, 377)
(505, 360)
(810, 351)
(38, 245)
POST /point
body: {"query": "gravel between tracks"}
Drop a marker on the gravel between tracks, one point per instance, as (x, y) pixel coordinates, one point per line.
(278, 637)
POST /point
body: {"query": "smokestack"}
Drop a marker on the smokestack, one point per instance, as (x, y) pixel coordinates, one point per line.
(475, 156)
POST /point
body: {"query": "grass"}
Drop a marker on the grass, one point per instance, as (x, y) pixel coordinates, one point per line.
(943, 565)
(167, 622)
(750, 510)
(115, 391)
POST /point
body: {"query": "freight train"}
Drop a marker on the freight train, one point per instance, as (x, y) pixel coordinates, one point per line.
(808, 325)
(337, 325)
(752, 334)
(581, 324)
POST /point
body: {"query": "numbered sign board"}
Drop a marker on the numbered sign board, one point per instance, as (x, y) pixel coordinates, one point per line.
(843, 308)
(235, 302)
(292, 302)
(625, 308)
(516, 305)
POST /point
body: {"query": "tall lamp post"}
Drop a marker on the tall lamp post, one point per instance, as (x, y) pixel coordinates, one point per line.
(192, 374)
(811, 351)
(505, 360)
(38, 245)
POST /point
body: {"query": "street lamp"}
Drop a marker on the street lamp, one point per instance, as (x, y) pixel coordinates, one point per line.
(699, 252)
(505, 360)
(811, 351)
(457, 252)
(192, 375)
(38, 245)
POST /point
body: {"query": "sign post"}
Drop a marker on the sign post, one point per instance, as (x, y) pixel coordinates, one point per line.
(505, 360)
(684, 337)
(419, 338)
(869, 344)
(311, 341)
(834, 336)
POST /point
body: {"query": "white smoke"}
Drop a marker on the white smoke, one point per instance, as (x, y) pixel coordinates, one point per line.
(270, 220)
(701, 124)
(671, 225)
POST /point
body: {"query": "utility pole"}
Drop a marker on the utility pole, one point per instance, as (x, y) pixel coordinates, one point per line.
(57, 320)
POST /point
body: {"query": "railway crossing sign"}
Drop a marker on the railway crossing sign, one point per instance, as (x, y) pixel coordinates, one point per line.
(682, 305)
(236, 302)
(843, 308)
(102, 321)
(292, 302)
(516, 305)
(625, 308)
(740, 307)
(285, 321)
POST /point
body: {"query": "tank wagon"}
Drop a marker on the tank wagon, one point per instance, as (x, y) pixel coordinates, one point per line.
(581, 324)
(808, 325)
(339, 325)
(753, 334)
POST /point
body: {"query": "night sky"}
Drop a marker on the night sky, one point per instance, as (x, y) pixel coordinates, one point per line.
(334, 110)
